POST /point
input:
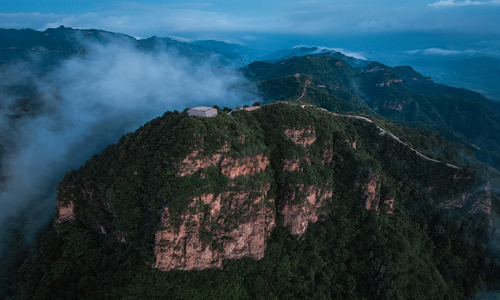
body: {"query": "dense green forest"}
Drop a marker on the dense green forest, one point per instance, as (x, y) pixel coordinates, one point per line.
(421, 251)
(400, 94)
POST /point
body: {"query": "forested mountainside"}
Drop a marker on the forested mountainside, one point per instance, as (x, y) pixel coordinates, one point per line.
(400, 94)
(479, 73)
(282, 201)
(51, 46)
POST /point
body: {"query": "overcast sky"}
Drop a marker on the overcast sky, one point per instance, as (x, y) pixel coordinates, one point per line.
(447, 27)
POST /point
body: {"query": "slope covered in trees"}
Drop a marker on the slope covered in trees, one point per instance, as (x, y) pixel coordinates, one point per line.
(399, 94)
(389, 225)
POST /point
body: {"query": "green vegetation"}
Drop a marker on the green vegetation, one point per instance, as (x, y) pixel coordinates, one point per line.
(421, 251)
(400, 94)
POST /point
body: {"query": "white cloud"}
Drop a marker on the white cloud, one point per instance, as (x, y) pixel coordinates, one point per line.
(88, 102)
(439, 51)
(321, 49)
(448, 3)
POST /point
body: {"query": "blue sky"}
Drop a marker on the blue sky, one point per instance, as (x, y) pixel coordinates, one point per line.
(450, 27)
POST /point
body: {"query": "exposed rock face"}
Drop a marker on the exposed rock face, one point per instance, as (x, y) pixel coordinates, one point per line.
(370, 190)
(65, 207)
(196, 161)
(206, 235)
(65, 213)
(478, 202)
(327, 156)
(304, 137)
(291, 165)
(389, 82)
(353, 144)
(244, 166)
(394, 105)
(229, 166)
(298, 213)
(389, 204)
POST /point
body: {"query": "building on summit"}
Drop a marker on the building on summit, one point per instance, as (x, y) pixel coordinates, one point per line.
(202, 111)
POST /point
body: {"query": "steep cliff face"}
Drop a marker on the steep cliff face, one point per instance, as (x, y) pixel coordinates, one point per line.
(65, 207)
(304, 137)
(208, 233)
(196, 161)
(232, 167)
(370, 190)
(476, 201)
(298, 214)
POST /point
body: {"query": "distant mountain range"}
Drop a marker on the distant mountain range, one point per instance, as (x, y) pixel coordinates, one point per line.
(400, 94)
(481, 74)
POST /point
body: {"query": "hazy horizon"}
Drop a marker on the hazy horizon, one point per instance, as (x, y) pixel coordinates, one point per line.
(377, 31)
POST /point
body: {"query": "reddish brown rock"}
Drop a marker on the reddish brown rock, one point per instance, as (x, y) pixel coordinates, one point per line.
(65, 212)
(304, 137)
(65, 206)
(291, 165)
(327, 156)
(389, 82)
(299, 213)
(389, 205)
(193, 244)
(479, 202)
(394, 105)
(243, 166)
(370, 191)
(196, 161)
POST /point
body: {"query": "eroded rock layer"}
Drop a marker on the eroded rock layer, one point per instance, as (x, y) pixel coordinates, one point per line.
(207, 235)
(298, 214)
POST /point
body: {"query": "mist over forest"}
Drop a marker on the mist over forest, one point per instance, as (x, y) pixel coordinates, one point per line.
(53, 122)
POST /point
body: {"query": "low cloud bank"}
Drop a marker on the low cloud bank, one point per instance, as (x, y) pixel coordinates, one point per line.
(321, 49)
(84, 105)
(441, 52)
(449, 3)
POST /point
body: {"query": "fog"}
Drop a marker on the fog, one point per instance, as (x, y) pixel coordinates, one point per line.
(85, 104)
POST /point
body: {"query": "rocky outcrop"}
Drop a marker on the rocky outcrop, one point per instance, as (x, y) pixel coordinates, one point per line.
(353, 144)
(478, 201)
(389, 82)
(229, 166)
(389, 205)
(65, 208)
(293, 164)
(304, 137)
(302, 206)
(196, 160)
(369, 189)
(232, 167)
(369, 186)
(208, 234)
(394, 105)
(327, 156)
(65, 212)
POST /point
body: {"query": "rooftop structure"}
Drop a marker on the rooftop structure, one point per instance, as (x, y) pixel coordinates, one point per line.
(202, 111)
